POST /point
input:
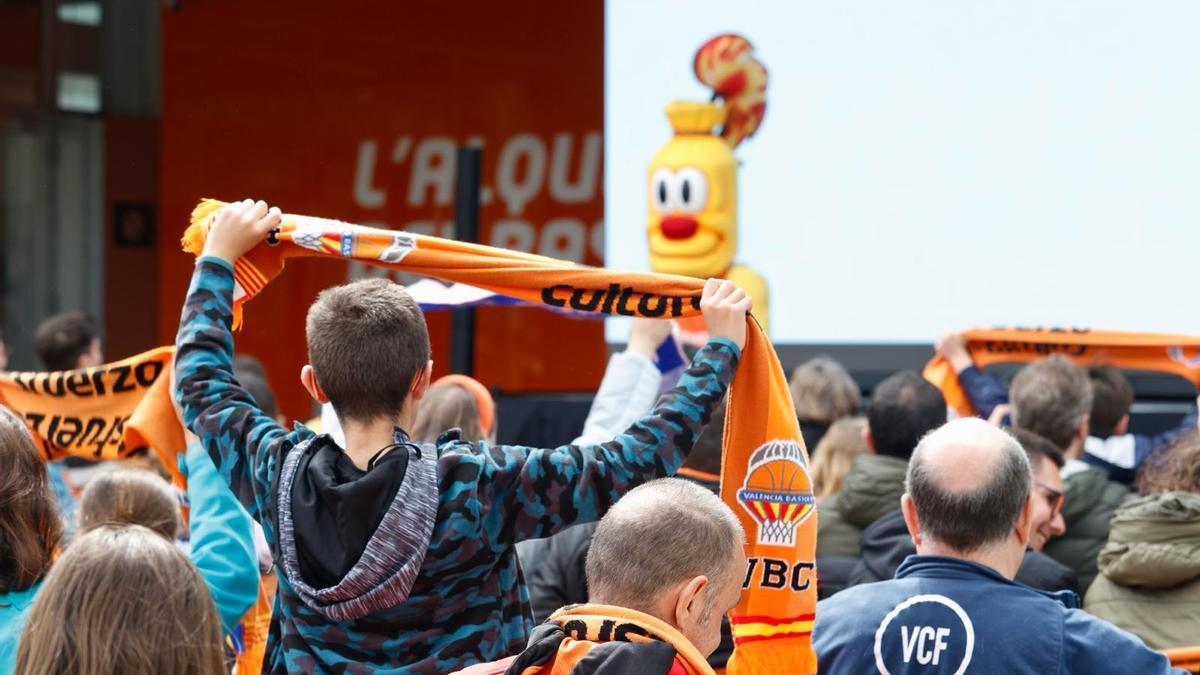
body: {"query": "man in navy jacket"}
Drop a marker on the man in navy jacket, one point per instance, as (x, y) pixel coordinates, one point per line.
(954, 606)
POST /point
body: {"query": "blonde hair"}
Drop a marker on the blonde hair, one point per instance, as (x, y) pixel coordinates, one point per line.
(129, 497)
(835, 453)
(122, 600)
(822, 391)
(446, 406)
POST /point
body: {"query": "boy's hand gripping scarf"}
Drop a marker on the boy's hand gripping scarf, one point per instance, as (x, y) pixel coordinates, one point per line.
(1161, 352)
(765, 467)
(104, 412)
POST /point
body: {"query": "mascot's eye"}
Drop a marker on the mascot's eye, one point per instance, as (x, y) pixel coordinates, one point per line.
(693, 189)
(662, 190)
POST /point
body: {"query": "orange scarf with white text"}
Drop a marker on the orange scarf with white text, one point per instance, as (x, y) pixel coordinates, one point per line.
(765, 477)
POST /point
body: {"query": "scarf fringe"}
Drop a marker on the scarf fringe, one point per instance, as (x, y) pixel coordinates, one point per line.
(197, 232)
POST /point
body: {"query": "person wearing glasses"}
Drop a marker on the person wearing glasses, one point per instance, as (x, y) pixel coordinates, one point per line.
(887, 542)
(953, 607)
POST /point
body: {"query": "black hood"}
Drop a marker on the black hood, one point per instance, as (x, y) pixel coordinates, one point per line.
(884, 545)
(351, 541)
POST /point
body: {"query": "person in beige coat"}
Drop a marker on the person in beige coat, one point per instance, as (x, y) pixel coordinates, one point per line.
(1149, 581)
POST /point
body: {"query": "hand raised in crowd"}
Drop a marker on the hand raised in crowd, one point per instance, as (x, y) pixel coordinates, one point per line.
(724, 307)
(238, 227)
(953, 348)
(647, 334)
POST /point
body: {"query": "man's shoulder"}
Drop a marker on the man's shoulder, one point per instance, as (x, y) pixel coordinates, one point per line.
(1093, 643)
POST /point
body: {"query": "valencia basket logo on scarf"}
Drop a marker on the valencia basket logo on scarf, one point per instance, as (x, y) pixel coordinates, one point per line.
(777, 492)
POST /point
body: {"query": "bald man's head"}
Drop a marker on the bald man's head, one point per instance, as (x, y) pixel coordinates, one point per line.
(658, 535)
(968, 482)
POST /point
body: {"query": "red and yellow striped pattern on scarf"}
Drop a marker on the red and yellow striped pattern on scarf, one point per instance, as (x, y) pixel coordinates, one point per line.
(1160, 352)
(765, 476)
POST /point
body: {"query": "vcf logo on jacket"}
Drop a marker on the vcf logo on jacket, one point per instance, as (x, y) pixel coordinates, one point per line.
(952, 616)
(926, 630)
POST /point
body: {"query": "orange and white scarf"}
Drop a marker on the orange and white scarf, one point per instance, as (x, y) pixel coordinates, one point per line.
(765, 466)
(1161, 352)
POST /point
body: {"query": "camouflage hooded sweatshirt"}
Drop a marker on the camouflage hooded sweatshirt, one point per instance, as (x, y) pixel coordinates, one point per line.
(409, 566)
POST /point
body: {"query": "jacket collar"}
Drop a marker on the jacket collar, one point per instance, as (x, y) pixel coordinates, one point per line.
(944, 567)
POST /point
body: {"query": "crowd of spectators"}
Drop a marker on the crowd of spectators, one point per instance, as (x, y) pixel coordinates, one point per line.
(1041, 536)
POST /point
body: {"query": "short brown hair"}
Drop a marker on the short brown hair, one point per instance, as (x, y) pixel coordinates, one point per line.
(129, 497)
(122, 600)
(1038, 449)
(822, 391)
(1175, 468)
(30, 527)
(1112, 397)
(62, 339)
(367, 340)
(1050, 397)
(447, 406)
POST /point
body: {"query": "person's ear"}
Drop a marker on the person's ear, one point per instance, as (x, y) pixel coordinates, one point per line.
(910, 518)
(309, 380)
(689, 601)
(420, 383)
(1085, 424)
(1024, 521)
(866, 432)
(1122, 426)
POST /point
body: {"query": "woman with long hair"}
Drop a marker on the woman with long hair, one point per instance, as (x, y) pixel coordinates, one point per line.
(30, 530)
(122, 599)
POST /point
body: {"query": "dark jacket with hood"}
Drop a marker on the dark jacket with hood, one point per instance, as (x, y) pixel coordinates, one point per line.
(1149, 581)
(886, 543)
(409, 566)
(871, 490)
(1090, 501)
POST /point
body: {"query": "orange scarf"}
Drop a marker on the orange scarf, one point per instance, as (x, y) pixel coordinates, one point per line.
(765, 467)
(1162, 352)
(104, 412)
(256, 624)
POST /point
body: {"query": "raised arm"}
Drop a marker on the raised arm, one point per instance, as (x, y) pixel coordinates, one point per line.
(214, 405)
(222, 539)
(544, 491)
(986, 391)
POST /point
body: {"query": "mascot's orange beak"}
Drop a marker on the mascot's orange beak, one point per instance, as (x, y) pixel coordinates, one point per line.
(679, 227)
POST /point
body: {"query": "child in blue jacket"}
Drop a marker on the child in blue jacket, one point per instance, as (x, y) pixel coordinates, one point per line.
(394, 557)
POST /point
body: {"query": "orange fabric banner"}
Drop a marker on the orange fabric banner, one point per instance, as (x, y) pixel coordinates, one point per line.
(256, 624)
(104, 412)
(1160, 352)
(765, 477)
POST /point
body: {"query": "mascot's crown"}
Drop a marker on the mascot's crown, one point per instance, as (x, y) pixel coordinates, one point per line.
(692, 118)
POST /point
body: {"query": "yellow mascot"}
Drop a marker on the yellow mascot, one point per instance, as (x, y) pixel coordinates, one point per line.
(692, 226)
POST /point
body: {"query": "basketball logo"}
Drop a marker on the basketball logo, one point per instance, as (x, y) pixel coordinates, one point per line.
(777, 492)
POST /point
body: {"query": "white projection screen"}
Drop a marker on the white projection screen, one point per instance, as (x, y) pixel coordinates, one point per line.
(937, 165)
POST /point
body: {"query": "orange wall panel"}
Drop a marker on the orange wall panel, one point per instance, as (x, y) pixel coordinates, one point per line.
(352, 110)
